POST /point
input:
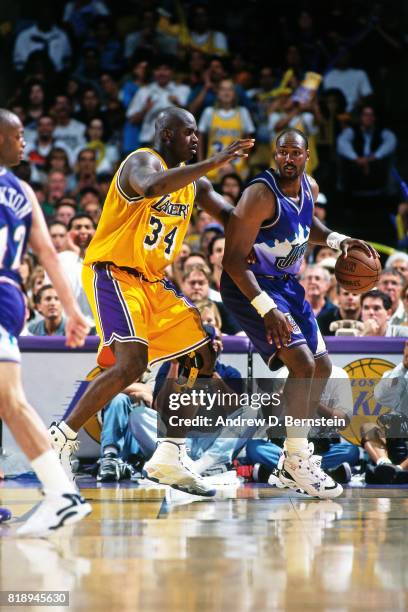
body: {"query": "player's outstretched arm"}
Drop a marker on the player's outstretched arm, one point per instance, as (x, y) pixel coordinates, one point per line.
(255, 206)
(145, 176)
(76, 326)
(212, 202)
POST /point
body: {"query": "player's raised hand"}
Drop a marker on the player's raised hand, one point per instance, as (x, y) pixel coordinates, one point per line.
(349, 243)
(235, 150)
(278, 328)
(76, 329)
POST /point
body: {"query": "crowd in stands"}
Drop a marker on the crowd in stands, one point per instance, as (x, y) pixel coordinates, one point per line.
(88, 81)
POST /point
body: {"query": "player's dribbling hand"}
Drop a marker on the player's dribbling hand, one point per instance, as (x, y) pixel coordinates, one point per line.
(233, 151)
(278, 328)
(349, 243)
(76, 329)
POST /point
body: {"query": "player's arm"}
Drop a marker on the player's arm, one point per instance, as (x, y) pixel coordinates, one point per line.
(322, 235)
(256, 205)
(212, 202)
(143, 175)
(40, 241)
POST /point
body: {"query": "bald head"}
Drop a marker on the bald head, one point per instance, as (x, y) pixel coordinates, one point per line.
(292, 134)
(172, 118)
(8, 120)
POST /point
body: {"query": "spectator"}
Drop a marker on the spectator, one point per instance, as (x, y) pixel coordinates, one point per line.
(220, 125)
(175, 271)
(89, 68)
(139, 78)
(392, 389)
(35, 103)
(103, 181)
(149, 40)
(58, 159)
(320, 209)
(232, 185)
(261, 98)
(35, 282)
(215, 255)
(391, 283)
(80, 14)
(202, 219)
(26, 270)
(59, 233)
(398, 261)
(70, 131)
(201, 36)
(90, 105)
(43, 142)
(353, 83)
(110, 87)
(56, 188)
(348, 309)
(106, 43)
(209, 232)
(197, 67)
(65, 209)
(86, 170)
(376, 314)
(106, 154)
(316, 282)
(196, 287)
(44, 36)
(93, 209)
(49, 306)
(151, 99)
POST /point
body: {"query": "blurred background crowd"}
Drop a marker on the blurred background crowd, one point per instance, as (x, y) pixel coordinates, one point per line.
(88, 78)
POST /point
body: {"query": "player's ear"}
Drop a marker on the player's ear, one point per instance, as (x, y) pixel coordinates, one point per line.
(167, 135)
(307, 154)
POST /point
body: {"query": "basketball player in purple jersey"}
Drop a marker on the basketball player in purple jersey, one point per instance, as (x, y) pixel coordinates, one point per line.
(276, 210)
(22, 223)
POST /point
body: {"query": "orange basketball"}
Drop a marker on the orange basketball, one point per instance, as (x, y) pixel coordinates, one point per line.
(357, 272)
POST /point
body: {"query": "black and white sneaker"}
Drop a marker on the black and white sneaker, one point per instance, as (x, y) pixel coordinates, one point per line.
(303, 471)
(64, 447)
(112, 469)
(56, 511)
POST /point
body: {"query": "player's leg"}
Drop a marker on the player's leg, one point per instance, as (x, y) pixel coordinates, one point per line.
(301, 469)
(130, 363)
(62, 503)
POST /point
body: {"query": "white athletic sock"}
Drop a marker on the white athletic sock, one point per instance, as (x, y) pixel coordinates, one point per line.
(51, 474)
(297, 442)
(70, 433)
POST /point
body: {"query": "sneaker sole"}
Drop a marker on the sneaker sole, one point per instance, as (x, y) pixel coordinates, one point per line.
(180, 487)
(328, 494)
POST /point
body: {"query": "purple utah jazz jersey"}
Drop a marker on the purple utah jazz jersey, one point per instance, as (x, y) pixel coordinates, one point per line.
(15, 224)
(281, 242)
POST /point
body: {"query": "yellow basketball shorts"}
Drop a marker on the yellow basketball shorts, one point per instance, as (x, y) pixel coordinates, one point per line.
(127, 308)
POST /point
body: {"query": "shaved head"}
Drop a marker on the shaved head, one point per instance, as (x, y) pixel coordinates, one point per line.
(8, 120)
(172, 118)
(292, 133)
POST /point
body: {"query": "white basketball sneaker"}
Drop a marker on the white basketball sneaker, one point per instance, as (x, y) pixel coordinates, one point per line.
(64, 447)
(170, 465)
(303, 471)
(56, 511)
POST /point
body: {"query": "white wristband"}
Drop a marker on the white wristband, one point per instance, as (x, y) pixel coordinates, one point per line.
(334, 240)
(263, 303)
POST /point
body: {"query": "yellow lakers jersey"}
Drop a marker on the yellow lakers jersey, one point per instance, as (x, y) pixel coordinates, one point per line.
(223, 132)
(141, 233)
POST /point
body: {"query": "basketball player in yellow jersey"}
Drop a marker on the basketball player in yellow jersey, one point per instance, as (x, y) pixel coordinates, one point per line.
(140, 316)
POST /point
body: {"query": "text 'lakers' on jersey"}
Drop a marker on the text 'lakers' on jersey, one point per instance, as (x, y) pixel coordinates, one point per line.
(141, 233)
(15, 224)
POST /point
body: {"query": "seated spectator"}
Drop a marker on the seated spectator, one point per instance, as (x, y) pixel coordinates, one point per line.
(55, 188)
(107, 156)
(118, 446)
(35, 102)
(348, 309)
(176, 270)
(365, 152)
(106, 43)
(392, 389)
(201, 36)
(26, 269)
(149, 40)
(68, 130)
(85, 170)
(49, 306)
(79, 14)
(398, 261)
(59, 234)
(65, 209)
(316, 282)
(44, 36)
(376, 315)
(352, 82)
(35, 282)
(38, 149)
(196, 287)
(202, 219)
(103, 181)
(391, 283)
(153, 98)
(215, 254)
(210, 231)
(220, 125)
(91, 105)
(89, 68)
(232, 185)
